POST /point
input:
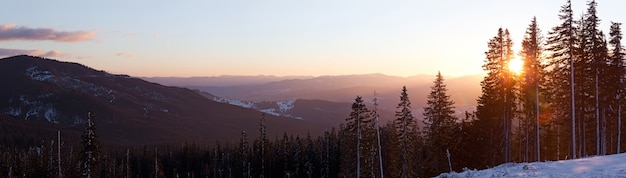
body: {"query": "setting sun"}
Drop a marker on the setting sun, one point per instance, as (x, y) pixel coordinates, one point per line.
(516, 65)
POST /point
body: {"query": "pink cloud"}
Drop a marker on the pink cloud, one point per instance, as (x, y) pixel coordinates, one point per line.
(125, 54)
(36, 52)
(10, 32)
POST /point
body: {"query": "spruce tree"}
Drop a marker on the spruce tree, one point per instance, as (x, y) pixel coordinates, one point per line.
(405, 129)
(440, 125)
(594, 56)
(561, 45)
(616, 82)
(496, 103)
(379, 148)
(531, 54)
(89, 152)
(358, 141)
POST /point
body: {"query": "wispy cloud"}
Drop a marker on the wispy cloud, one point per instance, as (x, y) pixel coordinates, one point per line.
(4, 52)
(9, 32)
(125, 54)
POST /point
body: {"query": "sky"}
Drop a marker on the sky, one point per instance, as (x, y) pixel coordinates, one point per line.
(187, 38)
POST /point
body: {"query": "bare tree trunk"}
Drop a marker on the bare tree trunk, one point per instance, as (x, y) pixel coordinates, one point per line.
(619, 102)
(598, 148)
(358, 145)
(156, 162)
(558, 142)
(380, 156)
(619, 121)
(537, 128)
(571, 55)
(127, 163)
(59, 153)
(603, 132)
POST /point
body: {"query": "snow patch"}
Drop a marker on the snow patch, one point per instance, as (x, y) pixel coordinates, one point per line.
(13, 111)
(31, 112)
(40, 75)
(245, 104)
(281, 110)
(155, 96)
(111, 93)
(270, 111)
(29, 108)
(599, 166)
(50, 114)
(285, 106)
(78, 121)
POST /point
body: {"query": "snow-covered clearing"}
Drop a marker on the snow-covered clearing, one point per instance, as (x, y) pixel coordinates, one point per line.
(598, 166)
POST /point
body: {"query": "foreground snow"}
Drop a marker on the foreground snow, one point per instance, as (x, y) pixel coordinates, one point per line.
(599, 166)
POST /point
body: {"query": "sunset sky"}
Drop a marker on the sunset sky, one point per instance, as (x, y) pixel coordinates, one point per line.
(275, 37)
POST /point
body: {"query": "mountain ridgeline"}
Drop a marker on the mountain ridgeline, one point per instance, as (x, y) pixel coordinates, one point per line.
(128, 111)
(315, 94)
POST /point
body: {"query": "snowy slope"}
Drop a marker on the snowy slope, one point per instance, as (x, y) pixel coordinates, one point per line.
(599, 166)
(276, 108)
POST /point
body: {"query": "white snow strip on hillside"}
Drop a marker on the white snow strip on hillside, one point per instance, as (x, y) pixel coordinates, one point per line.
(599, 166)
(245, 104)
(36, 74)
(285, 106)
(270, 111)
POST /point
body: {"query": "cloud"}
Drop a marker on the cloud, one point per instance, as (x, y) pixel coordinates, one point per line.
(4, 52)
(9, 32)
(125, 54)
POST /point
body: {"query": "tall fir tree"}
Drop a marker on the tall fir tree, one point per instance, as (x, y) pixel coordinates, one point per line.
(379, 148)
(616, 81)
(358, 141)
(594, 55)
(561, 45)
(530, 85)
(440, 125)
(90, 149)
(496, 103)
(406, 132)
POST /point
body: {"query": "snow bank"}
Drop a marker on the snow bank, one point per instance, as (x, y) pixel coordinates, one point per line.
(599, 166)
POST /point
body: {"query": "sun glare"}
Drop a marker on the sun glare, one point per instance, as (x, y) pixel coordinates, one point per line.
(516, 65)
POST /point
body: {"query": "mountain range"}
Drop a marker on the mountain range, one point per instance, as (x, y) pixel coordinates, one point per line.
(42, 96)
(128, 110)
(285, 96)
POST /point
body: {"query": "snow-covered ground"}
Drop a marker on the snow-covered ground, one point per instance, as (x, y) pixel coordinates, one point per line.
(281, 109)
(599, 166)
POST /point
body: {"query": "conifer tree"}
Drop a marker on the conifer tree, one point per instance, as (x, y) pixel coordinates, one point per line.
(496, 104)
(262, 144)
(531, 53)
(561, 44)
(358, 140)
(617, 75)
(379, 148)
(440, 125)
(406, 133)
(594, 56)
(89, 152)
(243, 154)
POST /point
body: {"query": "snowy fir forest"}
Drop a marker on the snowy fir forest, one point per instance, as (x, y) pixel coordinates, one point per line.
(565, 102)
